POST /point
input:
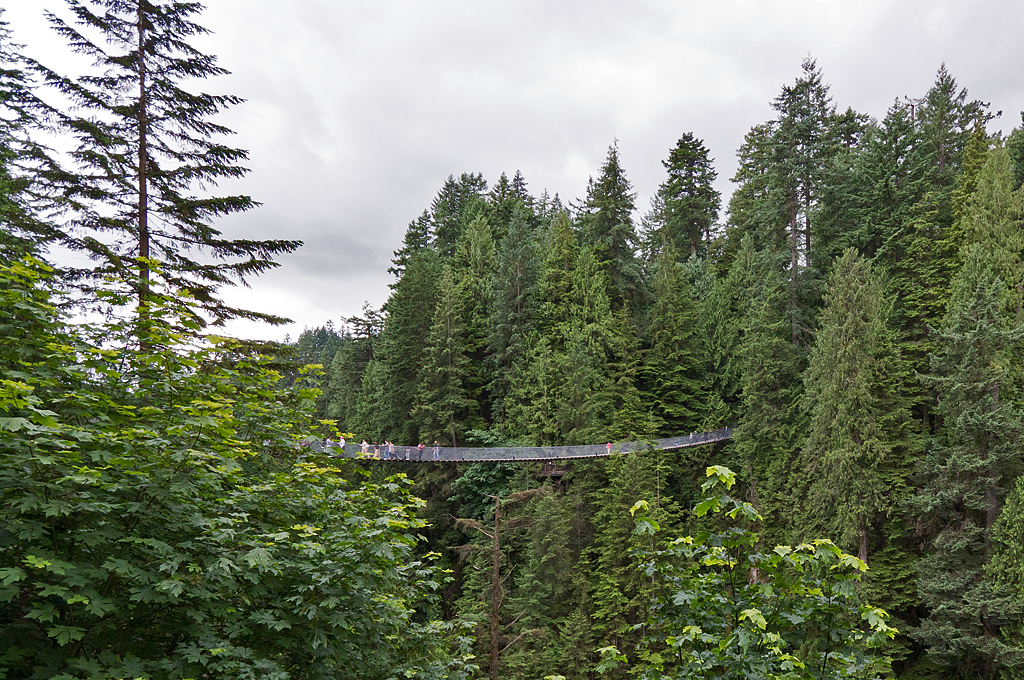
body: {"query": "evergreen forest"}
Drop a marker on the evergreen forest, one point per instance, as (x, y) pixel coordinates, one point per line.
(853, 311)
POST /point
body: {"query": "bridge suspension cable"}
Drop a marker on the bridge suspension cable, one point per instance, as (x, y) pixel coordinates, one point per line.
(426, 453)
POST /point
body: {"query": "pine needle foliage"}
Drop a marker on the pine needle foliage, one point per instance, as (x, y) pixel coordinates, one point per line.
(967, 472)
(859, 449)
(147, 153)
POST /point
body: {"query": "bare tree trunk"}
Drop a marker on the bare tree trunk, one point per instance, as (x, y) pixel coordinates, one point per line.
(807, 223)
(793, 263)
(143, 189)
(991, 514)
(862, 554)
(991, 502)
(496, 590)
(1020, 296)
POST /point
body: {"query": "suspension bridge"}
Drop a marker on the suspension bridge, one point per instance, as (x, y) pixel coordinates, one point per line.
(429, 453)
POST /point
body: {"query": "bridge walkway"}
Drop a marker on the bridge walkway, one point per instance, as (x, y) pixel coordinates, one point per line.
(413, 454)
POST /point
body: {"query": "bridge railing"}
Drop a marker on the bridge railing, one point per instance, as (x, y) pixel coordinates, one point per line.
(414, 454)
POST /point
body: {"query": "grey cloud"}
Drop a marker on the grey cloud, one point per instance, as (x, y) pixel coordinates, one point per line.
(358, 110)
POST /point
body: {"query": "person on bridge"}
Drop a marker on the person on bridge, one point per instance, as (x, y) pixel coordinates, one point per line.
(437, 451)
(408, 452)
(364, 447)
(419, 449)
(391, 450)
(608, 447)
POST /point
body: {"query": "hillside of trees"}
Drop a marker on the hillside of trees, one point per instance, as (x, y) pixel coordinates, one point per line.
(854, 311)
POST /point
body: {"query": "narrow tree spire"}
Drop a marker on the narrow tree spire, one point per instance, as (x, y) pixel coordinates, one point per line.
(147, 152)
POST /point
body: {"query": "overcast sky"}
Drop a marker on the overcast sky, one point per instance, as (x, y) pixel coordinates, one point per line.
(356, 112)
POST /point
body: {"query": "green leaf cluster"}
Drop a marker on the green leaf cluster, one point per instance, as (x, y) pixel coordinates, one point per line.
(727, 606)
(160, 519)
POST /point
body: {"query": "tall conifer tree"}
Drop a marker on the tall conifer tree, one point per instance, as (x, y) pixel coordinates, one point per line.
(442, 405)
(718, 325)
(506, 198)
(802, 143)
(535, 398)
(147, 149)
(947, 119)
(672, 367)
(759, 206)
(924, 255)
(560, 252)
(688, 199)
(477, 262)
(1015, 147)
(361, 337)
(418, 236)
(781, 176)
(859, 448)
(515, 305)
(607, 224)
(966, 473)
(456, 204)
(769, 436)
(402, 346)
(585, 385)
(24, 164)
(993, 217)
(631, 419)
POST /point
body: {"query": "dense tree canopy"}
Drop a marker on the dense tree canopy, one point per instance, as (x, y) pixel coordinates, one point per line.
(815, 320)
(167, 509)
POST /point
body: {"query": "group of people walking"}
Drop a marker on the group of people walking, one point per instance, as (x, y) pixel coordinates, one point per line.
(386, 451)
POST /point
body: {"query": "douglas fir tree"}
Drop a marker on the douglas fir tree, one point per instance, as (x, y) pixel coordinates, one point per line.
(146, 153)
